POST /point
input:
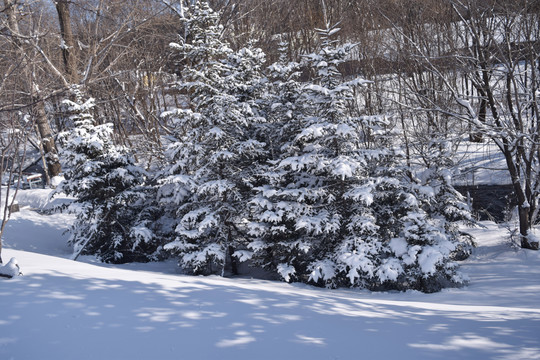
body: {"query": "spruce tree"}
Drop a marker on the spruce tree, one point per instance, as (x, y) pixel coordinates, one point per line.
(299, 211)
(336, 208)
(108, 188)
(208, 176)
(433, 184)
(268, 247)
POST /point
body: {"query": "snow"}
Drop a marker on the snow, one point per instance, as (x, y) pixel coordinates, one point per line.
(286, 271)
(39, 199)
(11, 269)
(399, 246)
(62, 309)
(481, 164)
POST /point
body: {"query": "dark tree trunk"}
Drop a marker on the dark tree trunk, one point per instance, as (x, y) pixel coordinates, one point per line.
(524, 226)
(69, 46)
(234, 266)
(524, 209)
(477, 136)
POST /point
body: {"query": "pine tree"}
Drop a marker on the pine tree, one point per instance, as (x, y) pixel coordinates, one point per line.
(108, 188)
(283, 114)
(336, 208)
(209, 173)
(298, 212)
(283, 108)
(440, 199)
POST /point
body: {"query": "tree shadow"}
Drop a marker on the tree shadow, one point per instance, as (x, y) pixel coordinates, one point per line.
(151, 315)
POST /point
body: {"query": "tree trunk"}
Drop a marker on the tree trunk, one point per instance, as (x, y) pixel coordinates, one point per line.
(477, 136)
(232, 260)
(51, 155)
(10, 8)
(524, 226)
(69, 46)
(524, 209)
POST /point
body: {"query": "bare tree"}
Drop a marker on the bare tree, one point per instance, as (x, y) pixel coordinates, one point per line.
(25, 43)
(122, 56)
(114, 50)
(487, 72)
(13, 142)
(503, 58)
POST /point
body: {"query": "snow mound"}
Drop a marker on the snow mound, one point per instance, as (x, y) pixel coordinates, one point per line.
(11, 269)
(40, 199)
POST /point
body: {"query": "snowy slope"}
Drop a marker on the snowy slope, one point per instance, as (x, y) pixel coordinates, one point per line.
(481, 164)
(61, 309)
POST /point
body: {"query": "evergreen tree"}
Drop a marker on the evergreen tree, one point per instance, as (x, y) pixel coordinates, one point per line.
(284, 121)
(298, 211)
(109, 191)
(336, 208)
(283, 108)
(433, 184)
(209, 173)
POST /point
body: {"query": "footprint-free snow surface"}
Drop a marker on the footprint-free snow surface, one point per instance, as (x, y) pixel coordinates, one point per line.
(62, 309)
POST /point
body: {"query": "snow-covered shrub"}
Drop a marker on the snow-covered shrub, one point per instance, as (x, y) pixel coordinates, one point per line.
(11, 269)
(112, 219)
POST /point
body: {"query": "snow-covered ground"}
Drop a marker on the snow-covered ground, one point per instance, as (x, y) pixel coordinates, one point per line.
(481, 164)
(61, 309)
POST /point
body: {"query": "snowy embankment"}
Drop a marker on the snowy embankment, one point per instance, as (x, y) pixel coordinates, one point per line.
(481, 164)
(61, 309)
